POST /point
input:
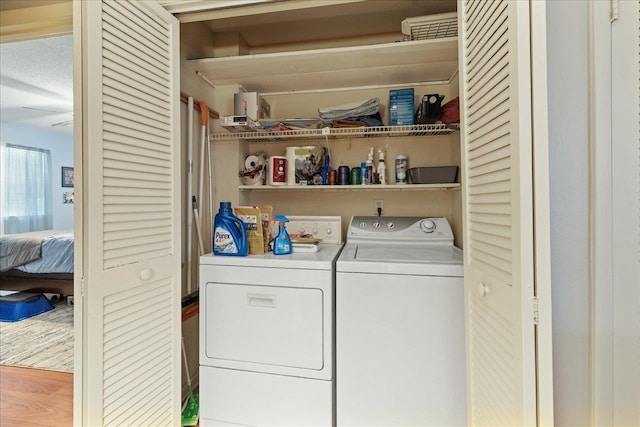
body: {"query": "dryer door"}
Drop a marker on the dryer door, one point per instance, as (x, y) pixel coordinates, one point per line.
(265, 327)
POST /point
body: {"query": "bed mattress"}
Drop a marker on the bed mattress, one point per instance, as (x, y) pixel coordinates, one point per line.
(57, 256)
(37, 252)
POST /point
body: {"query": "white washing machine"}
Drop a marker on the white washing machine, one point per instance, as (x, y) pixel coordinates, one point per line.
(400, 350)
(267, 334)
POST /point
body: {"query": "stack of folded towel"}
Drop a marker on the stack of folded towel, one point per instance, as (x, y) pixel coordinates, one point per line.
(366, 112)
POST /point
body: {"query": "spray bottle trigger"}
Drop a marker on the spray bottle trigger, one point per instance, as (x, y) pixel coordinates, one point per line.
(282, 219)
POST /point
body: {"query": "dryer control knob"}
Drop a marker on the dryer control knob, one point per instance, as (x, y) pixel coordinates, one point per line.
(428, 226)
(390, 225)
(376, 224)
(363, 224)
(328, 231)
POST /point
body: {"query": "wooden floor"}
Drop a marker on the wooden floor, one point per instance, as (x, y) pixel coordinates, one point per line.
(35, 397)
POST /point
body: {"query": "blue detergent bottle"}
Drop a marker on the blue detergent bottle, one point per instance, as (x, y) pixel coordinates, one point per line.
(229, 234)
(282, 245)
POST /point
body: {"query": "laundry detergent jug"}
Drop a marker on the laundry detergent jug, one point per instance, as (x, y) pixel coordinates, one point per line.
(229, 234)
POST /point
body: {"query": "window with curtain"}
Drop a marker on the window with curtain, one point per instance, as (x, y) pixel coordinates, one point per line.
(25, 189)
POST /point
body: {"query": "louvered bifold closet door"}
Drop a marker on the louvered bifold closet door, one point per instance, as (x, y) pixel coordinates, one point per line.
(497, 209)
(131, 215)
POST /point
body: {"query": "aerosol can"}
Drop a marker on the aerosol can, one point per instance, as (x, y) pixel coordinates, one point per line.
(382, 168)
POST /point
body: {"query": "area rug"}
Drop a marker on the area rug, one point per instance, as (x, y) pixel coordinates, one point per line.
(44, 341)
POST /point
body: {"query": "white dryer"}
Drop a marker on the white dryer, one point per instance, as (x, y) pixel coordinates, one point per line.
(267, 334)
(400, 351)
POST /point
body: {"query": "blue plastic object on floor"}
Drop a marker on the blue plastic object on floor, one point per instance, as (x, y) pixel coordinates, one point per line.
(23, 305)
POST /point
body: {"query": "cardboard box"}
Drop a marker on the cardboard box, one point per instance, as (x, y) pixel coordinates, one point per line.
(401, 107)
(238, 124)
(252, 105)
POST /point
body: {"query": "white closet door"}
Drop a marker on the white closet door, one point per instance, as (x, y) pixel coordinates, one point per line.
(498, 211)
(131, 215)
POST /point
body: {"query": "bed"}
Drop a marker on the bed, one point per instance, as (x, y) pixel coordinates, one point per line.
(39, 261)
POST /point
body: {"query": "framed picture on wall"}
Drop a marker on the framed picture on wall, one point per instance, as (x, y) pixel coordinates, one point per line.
(67, 176)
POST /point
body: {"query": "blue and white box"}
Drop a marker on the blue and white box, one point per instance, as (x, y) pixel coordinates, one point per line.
(401, 104)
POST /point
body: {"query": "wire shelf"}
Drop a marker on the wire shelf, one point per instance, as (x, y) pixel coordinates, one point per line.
(430, 27)
(340, 133)
(374, 187)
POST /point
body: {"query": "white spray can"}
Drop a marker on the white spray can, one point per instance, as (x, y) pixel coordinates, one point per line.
(382, 168)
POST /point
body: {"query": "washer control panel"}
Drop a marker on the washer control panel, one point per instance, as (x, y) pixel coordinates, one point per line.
(400, 229)
(428, 225)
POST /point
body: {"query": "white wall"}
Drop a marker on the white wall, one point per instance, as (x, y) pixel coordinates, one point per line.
(61, 147)
(625, 210)
(567, 35)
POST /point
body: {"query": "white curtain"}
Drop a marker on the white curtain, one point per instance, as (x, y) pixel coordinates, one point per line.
(25, 189)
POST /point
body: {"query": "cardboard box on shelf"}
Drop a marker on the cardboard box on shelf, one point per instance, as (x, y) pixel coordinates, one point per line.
(252, 105)
(239, 124)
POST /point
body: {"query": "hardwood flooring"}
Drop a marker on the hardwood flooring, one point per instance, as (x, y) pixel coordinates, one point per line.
(35, 397)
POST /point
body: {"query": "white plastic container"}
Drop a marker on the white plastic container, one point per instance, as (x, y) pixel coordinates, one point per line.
(277, 170)
(401, 169)
(296, 158)
(291, 165)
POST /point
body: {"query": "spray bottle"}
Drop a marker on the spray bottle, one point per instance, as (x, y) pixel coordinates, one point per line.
(382, 168)
(282, 243)
(370, 168)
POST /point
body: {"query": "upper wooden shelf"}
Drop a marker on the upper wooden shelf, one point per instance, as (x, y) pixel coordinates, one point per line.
(356, 66)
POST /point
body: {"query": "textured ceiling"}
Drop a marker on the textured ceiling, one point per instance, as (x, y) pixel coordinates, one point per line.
(36, 83)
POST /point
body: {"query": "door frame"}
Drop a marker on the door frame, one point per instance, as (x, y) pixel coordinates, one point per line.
(542, 209)
(78, 218)
(600, 215)
(613, 170)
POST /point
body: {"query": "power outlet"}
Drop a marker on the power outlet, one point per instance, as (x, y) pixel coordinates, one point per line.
(378, 206)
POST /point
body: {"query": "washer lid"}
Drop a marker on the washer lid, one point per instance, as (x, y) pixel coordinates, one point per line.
(401, 259)
(430, 255)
